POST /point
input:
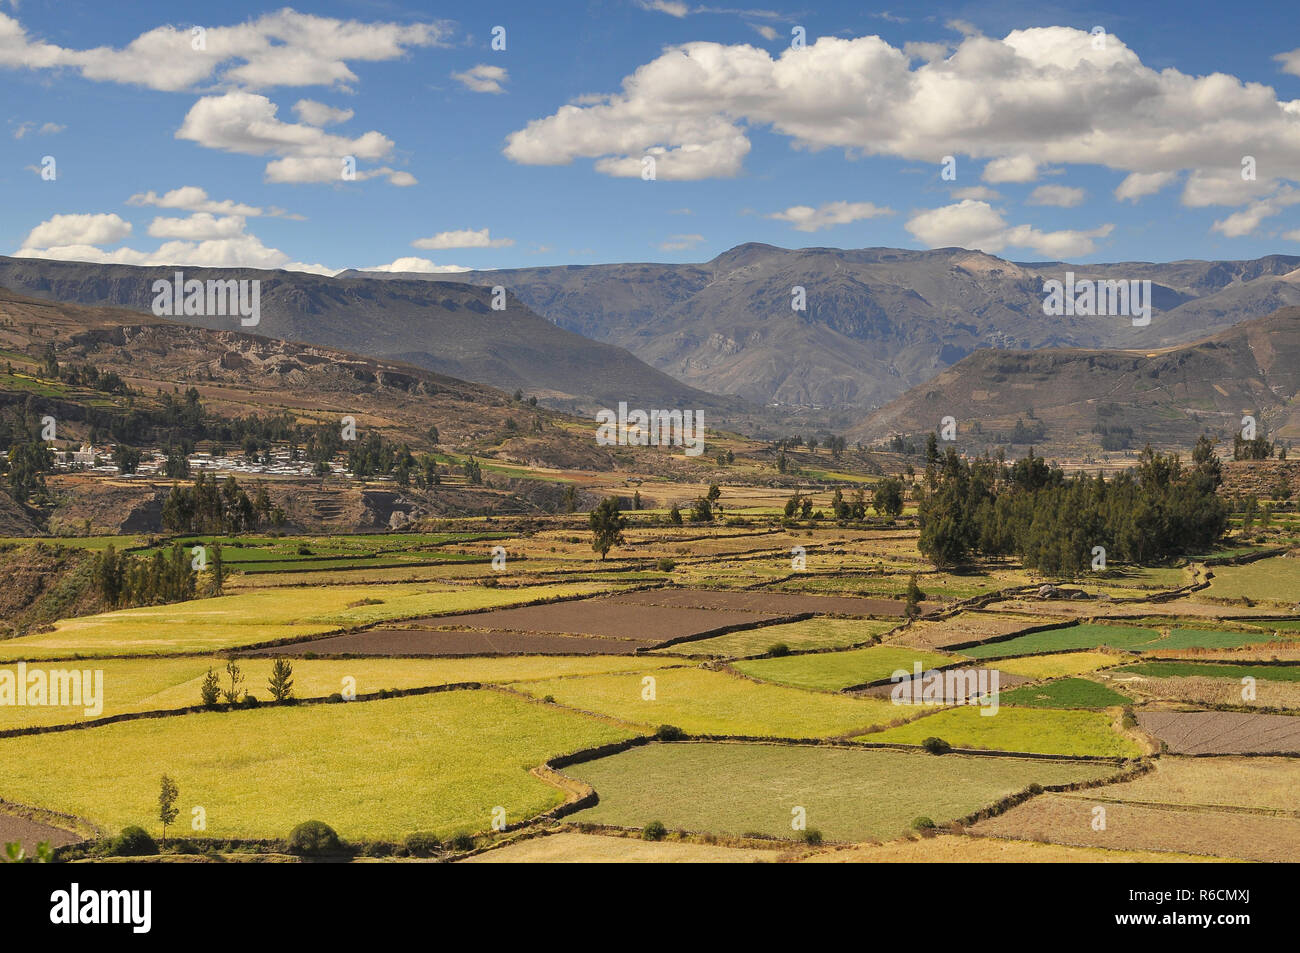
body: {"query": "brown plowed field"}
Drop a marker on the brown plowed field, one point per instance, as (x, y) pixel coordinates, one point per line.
(604, 618)
(30, 833)
(1069, 820)
(1223, 732)
(433, 642)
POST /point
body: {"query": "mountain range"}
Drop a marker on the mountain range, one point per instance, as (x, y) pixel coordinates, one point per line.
(878, 320)
(888, 336)
(447, 328)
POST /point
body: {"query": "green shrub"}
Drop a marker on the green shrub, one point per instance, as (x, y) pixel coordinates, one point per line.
(667, 565)
(778, 649)
(923, 824)
(423, 843)
(134, 842)
(669, 733)
(812, 836)
(313, 839)
(936, 745)
(655, 830)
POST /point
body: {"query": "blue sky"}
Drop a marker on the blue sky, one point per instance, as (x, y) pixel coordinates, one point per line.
(471, 157)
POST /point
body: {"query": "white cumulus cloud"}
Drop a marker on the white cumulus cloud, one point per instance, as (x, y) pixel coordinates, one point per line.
(805, 218)
(974, 224)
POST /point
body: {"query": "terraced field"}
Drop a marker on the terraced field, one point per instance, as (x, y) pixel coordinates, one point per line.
(846, 794)
(438, 762)
(1030, 730)
(576, 650)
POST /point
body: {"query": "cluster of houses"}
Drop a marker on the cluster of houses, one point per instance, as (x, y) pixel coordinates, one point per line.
(152, 463)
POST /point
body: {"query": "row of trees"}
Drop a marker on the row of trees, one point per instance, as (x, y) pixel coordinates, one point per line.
(887, 500)
(123, 580)
(1053, 522)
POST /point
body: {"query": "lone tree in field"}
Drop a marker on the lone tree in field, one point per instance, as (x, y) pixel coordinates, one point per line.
(888, 499)
(167, 809)
(607, 524)
(914, 597)
(281, 681)
(234, 692)
(210, 689)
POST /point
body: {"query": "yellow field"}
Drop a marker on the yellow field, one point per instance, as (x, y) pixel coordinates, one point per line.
(210, 625)
(159, 684)
(1059, 666)
(703, 702)
(372, 769)
(1031, 730)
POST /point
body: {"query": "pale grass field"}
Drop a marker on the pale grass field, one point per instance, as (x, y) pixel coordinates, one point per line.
(834, 671)
(570, 847)
(961, 849)
(1265, 784)
(817, 633)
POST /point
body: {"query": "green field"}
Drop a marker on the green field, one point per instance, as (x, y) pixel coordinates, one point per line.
(162, 684)
(715, 703)
(264, 554)
(1264, 673)
(1276, 578)
(1126, 638)
(1031, 730)
(1064, 693)
(376, 769)
(798, 636)
(249, 618)
(833, 671)
(846, 794)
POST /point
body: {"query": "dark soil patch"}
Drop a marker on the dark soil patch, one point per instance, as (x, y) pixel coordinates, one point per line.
(606, 618)
(30, 833)
(431, 642)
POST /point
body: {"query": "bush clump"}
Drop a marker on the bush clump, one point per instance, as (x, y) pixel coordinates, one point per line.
(314, 839)
(134, 842)
(923, 824)
(669, 733)
(778, 650)
(936, 745)
(655, 830)
(666, 564)
(812, 837)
